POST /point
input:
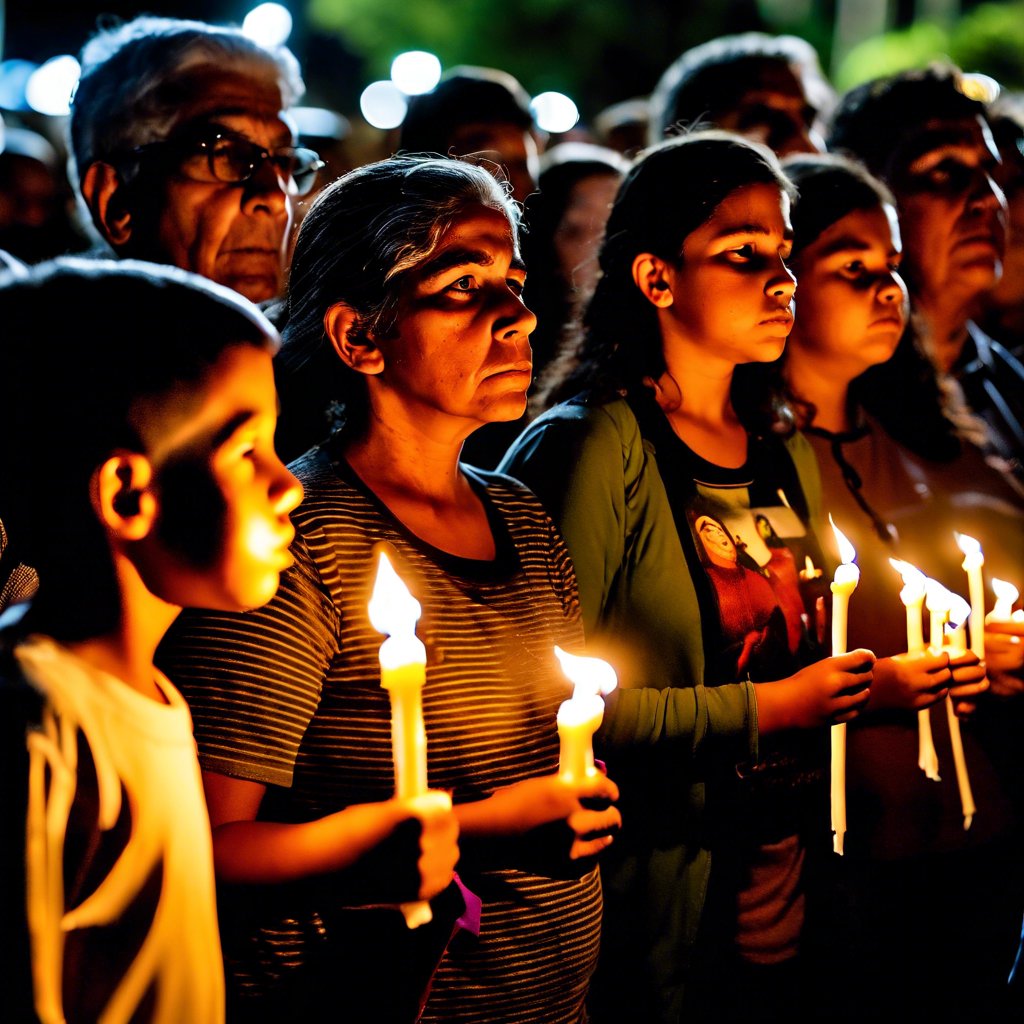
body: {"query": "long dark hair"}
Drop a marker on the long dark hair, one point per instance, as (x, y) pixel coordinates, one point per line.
(902, 394)
(670, 191)
(362, 234)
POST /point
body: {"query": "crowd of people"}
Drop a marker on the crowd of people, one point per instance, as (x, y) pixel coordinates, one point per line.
(603, 395)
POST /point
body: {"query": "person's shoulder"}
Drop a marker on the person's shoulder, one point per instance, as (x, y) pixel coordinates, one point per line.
(586, 420)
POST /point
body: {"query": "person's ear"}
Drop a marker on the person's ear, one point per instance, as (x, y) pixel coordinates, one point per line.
(353, 347)
(651, 276)
(106, 195)
(122, 495)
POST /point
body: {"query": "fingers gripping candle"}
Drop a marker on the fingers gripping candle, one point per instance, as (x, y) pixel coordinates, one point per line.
(403, 660)
(580, 716)
(912, 596)
(844, 583)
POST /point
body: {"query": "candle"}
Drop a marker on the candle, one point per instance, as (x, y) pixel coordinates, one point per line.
(972, 564)
(912, 596)
(810, 571)
(942, 605)
(403, 660)
(580, 716)
(1006, 596)
(844, 583)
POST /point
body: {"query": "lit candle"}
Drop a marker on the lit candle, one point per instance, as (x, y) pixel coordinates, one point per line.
(972, 564)
(580, 716)
(1006, 596)
(956, 635)
(912, 596)
(403, 660)
(937, 602)
(844, 583)
(810, 571)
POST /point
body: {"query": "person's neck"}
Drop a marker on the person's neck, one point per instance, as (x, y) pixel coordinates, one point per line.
(945, 321)
(127, 650)
(823, 386)
(417, 455)
(700, 411)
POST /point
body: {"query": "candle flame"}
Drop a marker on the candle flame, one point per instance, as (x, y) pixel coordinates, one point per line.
(968, 545)
(589, 675)
(393, 610)
(959, 610)
(913, 580)
(847, 552)
(937, 597)
(1005, 591)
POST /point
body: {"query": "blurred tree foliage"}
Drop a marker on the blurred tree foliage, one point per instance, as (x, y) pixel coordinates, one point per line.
(598, 51)
(989, 39)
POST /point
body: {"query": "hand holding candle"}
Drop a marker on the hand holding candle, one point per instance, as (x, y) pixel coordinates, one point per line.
(845, 581)
(912, 596)
(580, 716)
(403, 659)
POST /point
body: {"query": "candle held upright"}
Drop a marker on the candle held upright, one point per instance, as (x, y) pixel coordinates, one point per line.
(844, 583)
(912, 596)
(974, 560)
(403, 660)
(956, 645)
(581, 715)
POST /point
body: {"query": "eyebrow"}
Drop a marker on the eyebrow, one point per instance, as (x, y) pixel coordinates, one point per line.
(460, 257)
(749, 229)
(233, 425)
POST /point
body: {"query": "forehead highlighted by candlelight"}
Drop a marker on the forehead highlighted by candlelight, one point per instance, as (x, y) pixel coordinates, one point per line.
(592, 673)
(392, 608)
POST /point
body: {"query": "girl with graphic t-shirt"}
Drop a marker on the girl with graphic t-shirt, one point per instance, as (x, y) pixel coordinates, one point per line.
(674, 487)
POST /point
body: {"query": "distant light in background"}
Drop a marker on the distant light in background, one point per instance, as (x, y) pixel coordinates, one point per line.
(979, 87)
(319, 122)
(14, 76)
(383, 105)
(49, 88)
(415, 72)
(269, 25)
(554, 112)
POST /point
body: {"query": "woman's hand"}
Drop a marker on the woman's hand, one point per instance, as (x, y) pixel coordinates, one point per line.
(515, 809)
(438, 841)
(910, 682)
(1004, 657)
(829, 691)
(968, 681)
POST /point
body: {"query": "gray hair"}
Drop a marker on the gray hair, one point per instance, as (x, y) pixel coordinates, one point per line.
(127, 96)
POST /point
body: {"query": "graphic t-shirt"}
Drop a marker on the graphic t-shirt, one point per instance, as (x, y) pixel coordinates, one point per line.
(758, 572)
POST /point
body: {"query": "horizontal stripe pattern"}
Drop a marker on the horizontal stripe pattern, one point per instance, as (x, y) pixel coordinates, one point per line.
(290, 695)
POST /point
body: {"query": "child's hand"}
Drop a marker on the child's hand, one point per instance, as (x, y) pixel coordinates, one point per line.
(829, 691)
(1004, 657)
(910, 682)
(438, 842)
(968, 681)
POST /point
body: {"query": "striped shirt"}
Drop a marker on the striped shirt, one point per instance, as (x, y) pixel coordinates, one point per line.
(289, 695)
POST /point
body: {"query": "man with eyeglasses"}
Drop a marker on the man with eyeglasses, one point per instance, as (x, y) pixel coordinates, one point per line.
(183, 151)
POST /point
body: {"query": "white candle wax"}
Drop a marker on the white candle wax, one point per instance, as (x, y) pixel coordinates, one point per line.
(1006, 595)
(973, 562)
(912, 596)
(844, 583)
(581, 715)
(403, 659)
(956, 645)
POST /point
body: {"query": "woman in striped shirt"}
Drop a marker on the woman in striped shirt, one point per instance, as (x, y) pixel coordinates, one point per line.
(404, 308)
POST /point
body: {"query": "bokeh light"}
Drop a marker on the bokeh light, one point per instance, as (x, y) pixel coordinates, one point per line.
(383, 105)
(50, 87)
(269, 25)
(554, 112)
(415, 72)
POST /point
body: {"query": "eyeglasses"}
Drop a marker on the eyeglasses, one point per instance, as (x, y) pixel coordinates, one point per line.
(233, 159)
